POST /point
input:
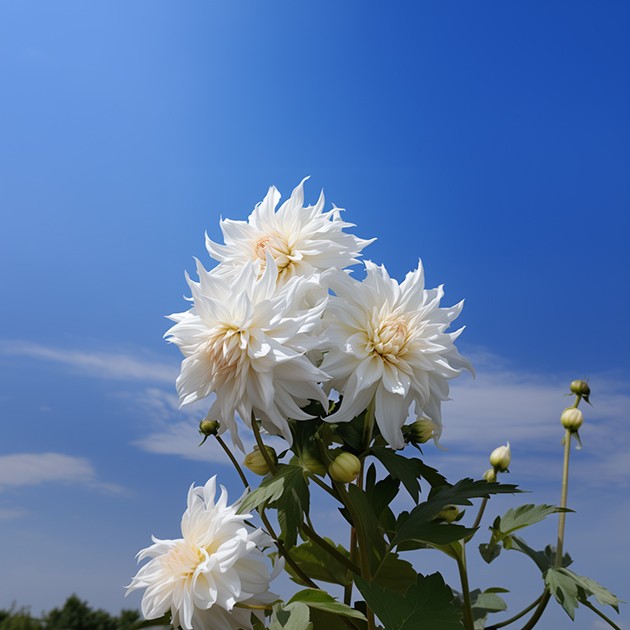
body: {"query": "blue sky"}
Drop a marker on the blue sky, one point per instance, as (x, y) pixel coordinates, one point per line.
(490, 139)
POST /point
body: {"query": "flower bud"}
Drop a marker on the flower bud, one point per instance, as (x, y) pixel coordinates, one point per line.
(572, 418)
(448, 514)
(490, 475)
(257, 463)
(345, 468)
(500, 458)
(580, 388)
(209, 427)
(420, 431)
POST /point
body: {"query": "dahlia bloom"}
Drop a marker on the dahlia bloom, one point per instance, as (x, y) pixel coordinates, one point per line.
(301, 240)
(248, 346)
(387, 342)
(202, 576)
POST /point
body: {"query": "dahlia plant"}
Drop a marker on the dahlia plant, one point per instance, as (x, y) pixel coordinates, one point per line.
(283, 341)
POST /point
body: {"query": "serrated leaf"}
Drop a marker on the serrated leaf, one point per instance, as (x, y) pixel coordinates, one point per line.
(320, 600)
(382, 494)
(395, 574)
(570, 588)
(271, 488)
(405, 469)
(293, 616)
(292, 506)
(318, 564)
(426, 605)
(564, 588)
(524, 516)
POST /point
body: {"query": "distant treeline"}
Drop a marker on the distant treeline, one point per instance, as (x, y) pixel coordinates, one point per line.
(74, 615)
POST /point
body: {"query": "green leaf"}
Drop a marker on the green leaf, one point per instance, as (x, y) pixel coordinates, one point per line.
(426, 605)
(293, 616)
(318, 564)
(395, 574)
(564, 588)
(405, 469)
(271, 487)
(490, 551)
(320, 600)
(569, 588)
(419, 524)
(485, 603)
(382, 494)
(352, 433)
(524, 516)
(366, 524)
(544, 559)
(291, 507)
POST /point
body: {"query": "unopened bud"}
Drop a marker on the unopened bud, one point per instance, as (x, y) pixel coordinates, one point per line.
(257, 463)
(420, 431)
(490, 475)
(581, 388)
(209, 427)
(345, 468)
(448, 514)
(572, 418)
(500, 458)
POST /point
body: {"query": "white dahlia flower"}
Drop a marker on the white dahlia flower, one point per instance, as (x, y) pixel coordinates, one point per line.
(245, 340)
(202, 576)
(387, 342)
(300, 239)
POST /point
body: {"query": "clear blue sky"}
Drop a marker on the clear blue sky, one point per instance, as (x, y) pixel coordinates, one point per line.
(490, 139)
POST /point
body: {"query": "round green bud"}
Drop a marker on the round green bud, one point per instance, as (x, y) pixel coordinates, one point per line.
(572, 418)
(256, 461)
(448, 514)
(209, 427)
(490, 475)
(580, 388)
(420, 431)
(500, 458)
(345, 468)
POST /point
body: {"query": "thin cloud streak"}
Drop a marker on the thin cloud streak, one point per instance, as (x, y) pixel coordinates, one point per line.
(31, 469)
(96, 364)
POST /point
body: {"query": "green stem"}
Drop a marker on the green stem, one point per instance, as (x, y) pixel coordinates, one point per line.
(563, 497)
(601, 614)
(263, 517)
(347, 592)
(469, 622)
(482, 509)
(516, 617)
(261, 446)
(328, 548)
(234, 461)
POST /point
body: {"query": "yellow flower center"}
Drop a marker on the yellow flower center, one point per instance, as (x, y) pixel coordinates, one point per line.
(284, 254)
(390, 339)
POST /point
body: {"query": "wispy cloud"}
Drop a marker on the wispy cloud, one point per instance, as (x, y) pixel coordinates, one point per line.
(109, 365)
(30, 469)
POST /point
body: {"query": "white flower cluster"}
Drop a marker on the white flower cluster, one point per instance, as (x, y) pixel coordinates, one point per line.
(263, 318)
